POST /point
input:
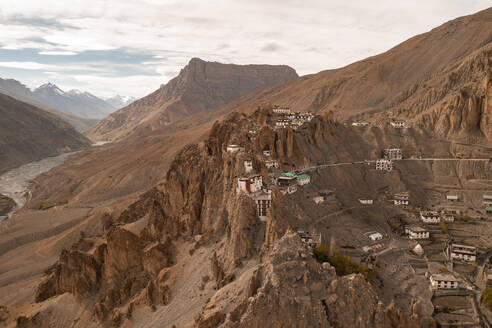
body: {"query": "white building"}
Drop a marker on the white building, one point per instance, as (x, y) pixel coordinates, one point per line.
(360, 124)
(416, 232)
(281, 110)
(263, 203)
(384, 165)
(398, 124)
(401, 199)
(375, 236)
(289, 190)
(303, 179)
(232, 148)
(271, 164)
(318, 199)
(366, 201)
(487, 200)
(266, 153)
(448, 218)
(443, 281)
(462, 252)
(392, 153)
(430, 217)
(250, 184)
(248, 166)
(452, 198)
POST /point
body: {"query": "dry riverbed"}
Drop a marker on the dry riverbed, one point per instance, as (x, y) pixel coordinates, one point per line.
(14, 184)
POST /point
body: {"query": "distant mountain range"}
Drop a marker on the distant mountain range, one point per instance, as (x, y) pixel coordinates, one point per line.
(74, 102)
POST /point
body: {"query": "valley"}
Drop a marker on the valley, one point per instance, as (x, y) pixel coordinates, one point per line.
(239, 195)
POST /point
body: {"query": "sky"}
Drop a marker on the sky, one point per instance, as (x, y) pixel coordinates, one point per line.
(131, 47)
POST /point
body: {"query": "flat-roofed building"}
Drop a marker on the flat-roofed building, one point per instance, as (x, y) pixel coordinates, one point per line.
(398, 124)
(384, 165)
(263, 202)
(443, 281)
(430, 217)
(303, 179)
(286, 179)
(452, 198)
(392, 153)
(233, 148)
(366, 200)
(360, 124)
(416, 232)
(401, 199)
(250, 184)
(248, 166)
(271, 164)
(462, 252)
(375, 236)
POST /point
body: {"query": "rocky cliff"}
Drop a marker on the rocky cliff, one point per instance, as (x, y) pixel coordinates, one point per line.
(200, 87)
(256, 271)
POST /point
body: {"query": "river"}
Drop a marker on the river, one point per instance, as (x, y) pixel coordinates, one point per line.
(15, 183)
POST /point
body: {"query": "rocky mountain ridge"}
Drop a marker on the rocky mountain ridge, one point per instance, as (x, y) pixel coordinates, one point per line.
(200, 87)
(253, 265)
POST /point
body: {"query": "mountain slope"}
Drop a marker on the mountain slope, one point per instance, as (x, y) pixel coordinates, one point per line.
(418, 78)
(19, 91)
(73, 102)
(200, 87)
(28, 133)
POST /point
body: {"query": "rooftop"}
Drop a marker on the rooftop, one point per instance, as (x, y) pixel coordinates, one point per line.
(303, 176)
(444, 277)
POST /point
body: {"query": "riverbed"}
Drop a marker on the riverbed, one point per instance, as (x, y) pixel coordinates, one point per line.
(15, 183)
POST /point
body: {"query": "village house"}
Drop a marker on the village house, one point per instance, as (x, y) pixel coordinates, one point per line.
(232, 148)
(401, 198)
(310, 239)
(271, 164)
(430, 217)
(250, 184)
(452, 198)
(488, 210)
(366, 201)
(263, 202)
(416, 232)
(318, 199)
(303, 179)
(392, 153)
(282, 123)
(281, 110)
(266, 153)
(487, 277)
(248, 166)
(286, 179)
(443, 281)
(375, 236)
(384, 165)
(398, 124)
(289, 190)
(487, 200)
(448, 218)
(360, 124)
(462, 252)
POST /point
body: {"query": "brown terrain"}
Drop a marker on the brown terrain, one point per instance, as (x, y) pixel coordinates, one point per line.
(28, 134)
(154, 232)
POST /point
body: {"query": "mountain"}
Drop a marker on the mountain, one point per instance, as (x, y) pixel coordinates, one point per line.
(120, 101)
(74, 102)
(200, 87)
(28, 133)
(155, 232)
(439, 79)
(19, 91)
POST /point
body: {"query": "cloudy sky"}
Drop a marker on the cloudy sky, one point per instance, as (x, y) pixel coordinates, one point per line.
(130, 47)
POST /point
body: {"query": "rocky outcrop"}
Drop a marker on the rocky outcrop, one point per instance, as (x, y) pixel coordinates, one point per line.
(291, 289)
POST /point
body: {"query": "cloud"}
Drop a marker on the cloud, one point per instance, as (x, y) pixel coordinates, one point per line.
(148, 40)
(57, 53)
(271, 47)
